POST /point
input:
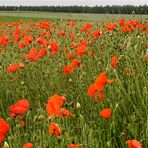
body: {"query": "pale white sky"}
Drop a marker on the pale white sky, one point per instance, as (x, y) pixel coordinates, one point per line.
(72, 2)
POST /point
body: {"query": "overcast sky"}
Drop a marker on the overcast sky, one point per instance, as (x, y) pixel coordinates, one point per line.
(72, 2)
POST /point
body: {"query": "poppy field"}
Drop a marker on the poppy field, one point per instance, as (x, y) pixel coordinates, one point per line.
(74, 84)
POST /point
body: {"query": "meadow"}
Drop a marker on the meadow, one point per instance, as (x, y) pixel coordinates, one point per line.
(73, 80)
(72, 16)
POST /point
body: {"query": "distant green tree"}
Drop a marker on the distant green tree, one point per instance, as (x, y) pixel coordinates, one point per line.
(126, 9)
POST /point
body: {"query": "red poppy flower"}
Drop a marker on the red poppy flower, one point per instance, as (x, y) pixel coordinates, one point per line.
(105, 113)
(44, 25)
(54, 105)
(74, 145)
(96, 33)
(82, 43)
(134, 144)
(73, 23)
(42, 52)
(68, 69)
(111, 27)
(123, 29)
(33, 55)
(4, 128)
(74, 63)
(28, 39)
(91, 90)
(121, 21)
(13, 68)
(86, 27)
(54, 47)
(81, 50)
(28, 145)
(40, 41)
(21, 45)
(16, 38)
(54, 130)
(101, 81)
(19, 108)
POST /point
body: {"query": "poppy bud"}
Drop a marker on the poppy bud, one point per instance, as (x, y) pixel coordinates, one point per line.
(6, 145)
(78, 106)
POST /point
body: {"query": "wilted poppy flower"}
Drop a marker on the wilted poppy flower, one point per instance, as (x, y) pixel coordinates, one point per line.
(22, 123)
(64, 112)
(101, 96)
(4, 128)
(28, 145)
(73, 44)
(72, 36)
(105, 113)
(1, 49)
(110, 81)
(114, 61)
(134, 144)
(21, 65)
(54, 130)
(19, 108)
(91, 53)
(146, 57)
(54, 104)
(128, 71)
(62, 33)
(70, 55)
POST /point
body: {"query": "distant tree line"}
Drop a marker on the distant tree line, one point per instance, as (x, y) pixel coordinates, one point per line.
(126, 9)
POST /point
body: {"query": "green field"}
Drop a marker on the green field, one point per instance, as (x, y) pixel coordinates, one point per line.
(71, 16)
(94, 66)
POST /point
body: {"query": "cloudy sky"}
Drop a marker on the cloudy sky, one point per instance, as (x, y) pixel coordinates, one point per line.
(73, 2)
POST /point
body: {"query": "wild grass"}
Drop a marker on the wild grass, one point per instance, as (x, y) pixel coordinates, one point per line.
(127, 96)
